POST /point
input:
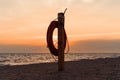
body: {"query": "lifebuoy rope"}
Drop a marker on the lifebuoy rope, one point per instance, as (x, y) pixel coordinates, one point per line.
(50, 44)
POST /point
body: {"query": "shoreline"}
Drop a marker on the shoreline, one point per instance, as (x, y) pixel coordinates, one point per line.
(85, 69)
(33, 58)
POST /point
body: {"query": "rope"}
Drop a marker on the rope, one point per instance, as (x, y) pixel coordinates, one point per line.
(54, 58)
(68, 46)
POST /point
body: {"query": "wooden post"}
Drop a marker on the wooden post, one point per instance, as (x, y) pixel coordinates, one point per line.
(60, 41)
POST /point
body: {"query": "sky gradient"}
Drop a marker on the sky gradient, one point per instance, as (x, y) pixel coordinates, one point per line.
(26, 21)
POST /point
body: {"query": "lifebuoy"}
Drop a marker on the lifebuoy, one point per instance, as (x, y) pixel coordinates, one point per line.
(50, 44)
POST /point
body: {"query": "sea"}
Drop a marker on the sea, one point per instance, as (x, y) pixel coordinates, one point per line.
(33, 58)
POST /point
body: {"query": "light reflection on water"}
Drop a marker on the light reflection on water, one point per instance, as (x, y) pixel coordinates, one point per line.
(31, 58)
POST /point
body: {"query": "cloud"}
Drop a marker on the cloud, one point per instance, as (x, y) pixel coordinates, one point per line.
(87, 1)
(32, 37)
(96, 34)
(96, 46)
(22, 49)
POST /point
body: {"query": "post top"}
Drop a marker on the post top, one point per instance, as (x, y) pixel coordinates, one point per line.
(62, 13)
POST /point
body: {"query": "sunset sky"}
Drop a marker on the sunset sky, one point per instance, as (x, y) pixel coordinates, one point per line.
(26, 21)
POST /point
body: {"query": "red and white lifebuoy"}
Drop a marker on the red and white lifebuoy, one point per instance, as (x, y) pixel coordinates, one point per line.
(50, 43)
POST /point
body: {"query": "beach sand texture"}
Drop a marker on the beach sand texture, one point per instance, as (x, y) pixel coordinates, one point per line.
(85, 69)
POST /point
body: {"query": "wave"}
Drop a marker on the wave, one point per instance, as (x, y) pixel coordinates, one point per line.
(26, 58)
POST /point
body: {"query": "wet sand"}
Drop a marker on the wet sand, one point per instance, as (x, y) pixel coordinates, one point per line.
(97, 69)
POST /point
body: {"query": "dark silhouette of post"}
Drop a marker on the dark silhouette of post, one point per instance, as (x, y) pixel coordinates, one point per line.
(60, 41)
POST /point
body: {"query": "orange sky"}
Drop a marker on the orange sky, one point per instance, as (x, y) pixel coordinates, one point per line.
(26, 21)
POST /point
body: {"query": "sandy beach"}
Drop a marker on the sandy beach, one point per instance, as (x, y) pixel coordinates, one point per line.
(85, 69)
